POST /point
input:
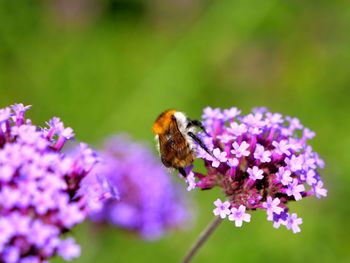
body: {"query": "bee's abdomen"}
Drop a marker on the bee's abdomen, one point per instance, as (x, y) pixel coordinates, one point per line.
(179, 158)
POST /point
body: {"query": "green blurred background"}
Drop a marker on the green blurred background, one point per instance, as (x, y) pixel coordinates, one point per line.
(112, 66)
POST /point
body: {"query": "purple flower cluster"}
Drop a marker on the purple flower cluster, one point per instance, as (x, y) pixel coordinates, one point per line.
(260, 161)
(149, 203)
(38, 188)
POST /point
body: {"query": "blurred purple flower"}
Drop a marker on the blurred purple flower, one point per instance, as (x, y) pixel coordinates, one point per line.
(149, 203)
(38, 188)
(260, 162)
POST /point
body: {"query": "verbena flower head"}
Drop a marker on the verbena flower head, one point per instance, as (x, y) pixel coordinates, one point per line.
(38, 188)
(260, 161)
(149, 202)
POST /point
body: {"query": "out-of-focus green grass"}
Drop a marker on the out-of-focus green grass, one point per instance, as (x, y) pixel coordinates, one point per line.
(117, 70)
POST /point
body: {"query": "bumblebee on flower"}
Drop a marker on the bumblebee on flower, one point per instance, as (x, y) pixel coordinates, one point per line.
(258, 160)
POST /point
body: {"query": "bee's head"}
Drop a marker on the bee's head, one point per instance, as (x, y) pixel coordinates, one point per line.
(162, 123)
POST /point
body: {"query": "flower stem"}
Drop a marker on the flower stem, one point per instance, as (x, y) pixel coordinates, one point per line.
(202, 238)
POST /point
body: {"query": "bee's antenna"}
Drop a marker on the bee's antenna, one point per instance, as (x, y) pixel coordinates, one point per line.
(200, 143)
(196, 123)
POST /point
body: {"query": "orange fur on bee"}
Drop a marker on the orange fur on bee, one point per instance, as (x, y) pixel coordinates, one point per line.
(162, 123)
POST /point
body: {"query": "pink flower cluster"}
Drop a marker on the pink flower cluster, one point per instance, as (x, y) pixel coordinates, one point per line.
(38, 188)
(260, 161)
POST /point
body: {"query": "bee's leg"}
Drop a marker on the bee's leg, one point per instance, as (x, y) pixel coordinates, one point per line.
(182, 172)
(196, 123)
(200, 143)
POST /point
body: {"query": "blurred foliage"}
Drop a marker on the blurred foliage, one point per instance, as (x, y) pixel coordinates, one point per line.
(110, 66)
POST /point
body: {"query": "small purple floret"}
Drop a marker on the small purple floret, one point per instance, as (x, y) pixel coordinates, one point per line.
(240, 150)
(293, 223)
(272, 206)
(191, 181)
(222, 208)
(238, 215)
(255, 173)
(219, 157)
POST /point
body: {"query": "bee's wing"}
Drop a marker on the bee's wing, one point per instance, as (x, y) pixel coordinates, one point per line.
(173, 146)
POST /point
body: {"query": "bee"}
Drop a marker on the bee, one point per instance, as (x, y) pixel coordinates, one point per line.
(176, 135)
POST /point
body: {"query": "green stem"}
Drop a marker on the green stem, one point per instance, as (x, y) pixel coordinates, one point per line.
(202, 238)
